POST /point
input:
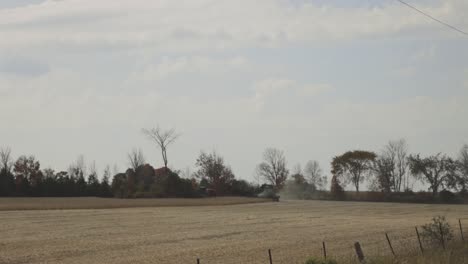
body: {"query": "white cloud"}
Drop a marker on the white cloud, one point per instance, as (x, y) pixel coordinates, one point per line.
(271, 94)
(92, 73)
(17, 66)
(426, 53)
(194, 64)
(207, 25)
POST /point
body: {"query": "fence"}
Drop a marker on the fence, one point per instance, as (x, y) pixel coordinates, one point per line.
(396, 242)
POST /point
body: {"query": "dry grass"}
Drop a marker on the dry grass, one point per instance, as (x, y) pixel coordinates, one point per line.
(10, 204)
(293, 230)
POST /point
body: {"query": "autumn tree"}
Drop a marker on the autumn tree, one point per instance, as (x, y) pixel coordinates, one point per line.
(273, 168)
(211, 167)
(162, 138)
(439, 171)
(28, 173)
(353, 166)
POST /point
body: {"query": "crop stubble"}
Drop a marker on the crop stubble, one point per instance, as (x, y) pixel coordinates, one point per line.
(243, 233)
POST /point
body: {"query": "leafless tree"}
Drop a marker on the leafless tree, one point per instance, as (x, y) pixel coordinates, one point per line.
(92, 169)
(395, 155)
(463, 165)
(163, 138)
(187, 173)
(107, 174)
(136, 159)
(257, 178)
(78, 169)
(297, 169)
(273, 168)
(6, 159)
(115, 169)
(314, 175)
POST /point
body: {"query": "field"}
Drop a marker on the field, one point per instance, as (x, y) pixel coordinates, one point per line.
(239, 233)
(8, 204)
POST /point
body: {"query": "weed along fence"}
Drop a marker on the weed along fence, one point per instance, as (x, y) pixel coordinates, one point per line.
(389, 243)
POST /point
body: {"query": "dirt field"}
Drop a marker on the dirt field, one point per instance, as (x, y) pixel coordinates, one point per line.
(8, 204)
(293, 230)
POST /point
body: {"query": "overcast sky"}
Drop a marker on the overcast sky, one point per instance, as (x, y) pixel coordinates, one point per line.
(314, 78)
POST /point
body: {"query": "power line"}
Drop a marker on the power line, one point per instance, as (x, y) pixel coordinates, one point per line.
(433, 18)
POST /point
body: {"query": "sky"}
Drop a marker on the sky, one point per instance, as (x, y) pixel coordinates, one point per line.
(314, 78)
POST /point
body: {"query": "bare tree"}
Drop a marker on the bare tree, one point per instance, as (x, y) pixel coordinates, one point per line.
(257, 178)
(115, 169)
(463, 165)
(107, 172)
(78, 169)
(314, 175)
(297, 169)
(92, 169)
(6, 159)
(136, 159)
(395, 155)
(187, 173)
(163, 138)
(273, 168)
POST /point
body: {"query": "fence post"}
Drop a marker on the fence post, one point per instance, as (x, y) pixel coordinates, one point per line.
(461, 230)
(269, 254)
(198, 261)
(419, 240)
(390, 244)
(359, 252)
(442, 239)
(324, 250)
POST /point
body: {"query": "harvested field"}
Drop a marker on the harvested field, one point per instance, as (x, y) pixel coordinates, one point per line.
(243, 233)
(8, 204)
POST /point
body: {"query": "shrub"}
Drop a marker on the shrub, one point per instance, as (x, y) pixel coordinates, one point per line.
(320, 261)
(447, 197)
(241, 188)
(433, 232)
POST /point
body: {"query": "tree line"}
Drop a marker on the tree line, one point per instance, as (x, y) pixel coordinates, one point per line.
(395, 170)
(25, 177)
(389, 174)
(389, 171)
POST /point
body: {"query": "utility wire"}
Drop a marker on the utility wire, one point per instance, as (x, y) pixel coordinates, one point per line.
(433, 18)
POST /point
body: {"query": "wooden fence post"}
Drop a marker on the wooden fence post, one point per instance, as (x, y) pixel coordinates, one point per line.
(461, 230)
(390, 244)
(269, 254)
(324, 250)
(442, 239)
(419, 240)
(198, 261)
(359, 252)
